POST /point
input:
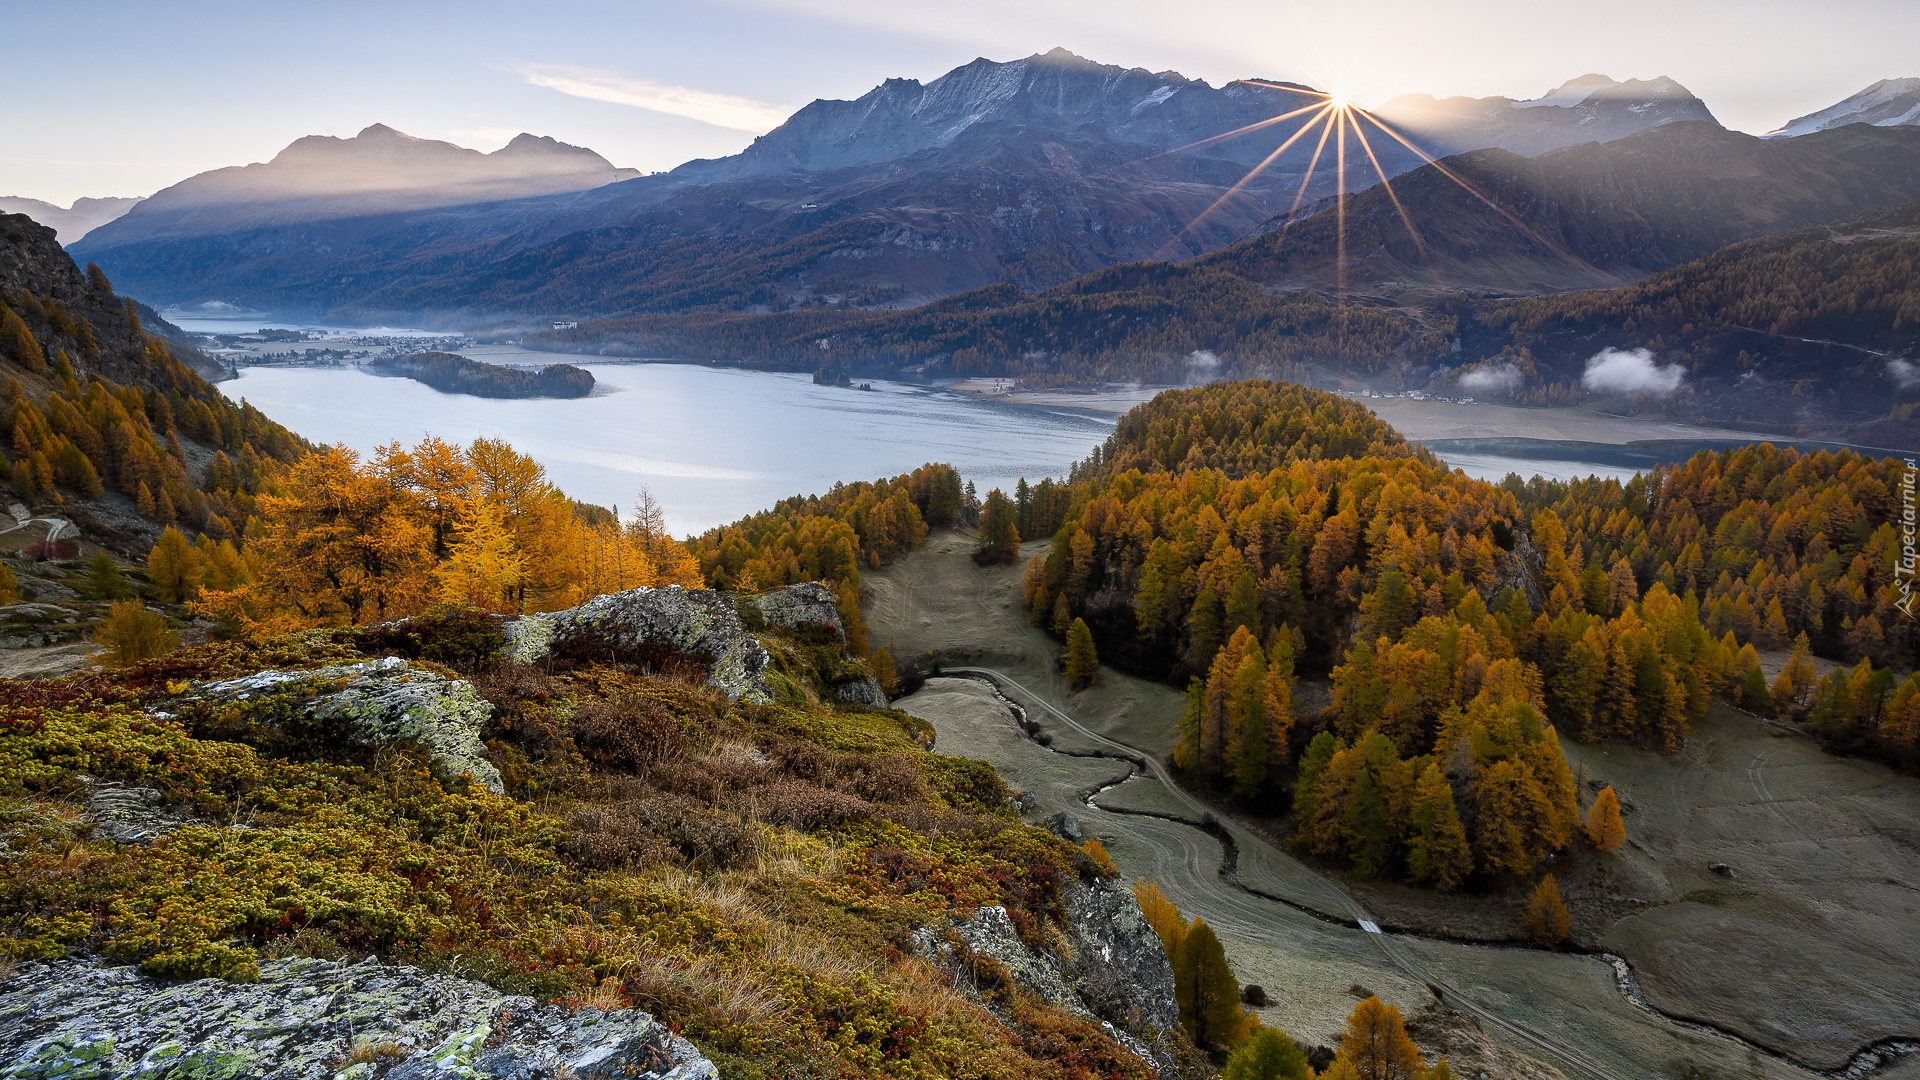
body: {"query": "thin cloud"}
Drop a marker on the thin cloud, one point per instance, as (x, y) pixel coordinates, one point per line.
(720, 110)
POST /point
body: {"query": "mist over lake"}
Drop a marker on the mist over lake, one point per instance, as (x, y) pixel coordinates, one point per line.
(713, 444)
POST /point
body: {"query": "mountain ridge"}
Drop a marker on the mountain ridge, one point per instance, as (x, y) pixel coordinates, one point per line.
(1030, 172)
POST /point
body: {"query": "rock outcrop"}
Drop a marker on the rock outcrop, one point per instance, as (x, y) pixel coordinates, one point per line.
(698, 626)
(652, 626)
(1113, 968)
(382, 701)
(312, 1019)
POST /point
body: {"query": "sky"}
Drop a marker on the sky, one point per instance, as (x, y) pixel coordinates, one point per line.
(119, 98)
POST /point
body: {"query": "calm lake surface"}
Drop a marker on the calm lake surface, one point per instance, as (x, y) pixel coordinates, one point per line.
(713, 444)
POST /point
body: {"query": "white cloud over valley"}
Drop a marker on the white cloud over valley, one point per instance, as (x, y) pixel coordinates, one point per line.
(1631, 371)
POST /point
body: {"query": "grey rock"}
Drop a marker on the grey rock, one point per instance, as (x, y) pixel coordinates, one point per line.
(1113, 969)
(305, 1019)
(1118, 965)
(1065, 826)
(132, 815)
(862, 692)
(652, 626)
(676, 625)
(385, 701)
(798, 607)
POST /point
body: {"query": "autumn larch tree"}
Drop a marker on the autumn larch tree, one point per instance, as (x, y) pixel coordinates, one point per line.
(1207, 994)
(175, 568)
(1605, 831)
(1547, 919)
(1376, 1045)
(999, 533)
(131, 633)
(1081, 664)
(1437, 848)
(1161, 914)
(1268, 1054)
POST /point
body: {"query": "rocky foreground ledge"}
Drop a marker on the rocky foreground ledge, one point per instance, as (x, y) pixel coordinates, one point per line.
(317, 1020)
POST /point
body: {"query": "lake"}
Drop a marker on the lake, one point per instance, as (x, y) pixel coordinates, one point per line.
(713, 444)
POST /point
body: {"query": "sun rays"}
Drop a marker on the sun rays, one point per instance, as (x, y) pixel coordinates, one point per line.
(1339, 128)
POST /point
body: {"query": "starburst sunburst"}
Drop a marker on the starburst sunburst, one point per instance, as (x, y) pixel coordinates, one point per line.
(1334, 117)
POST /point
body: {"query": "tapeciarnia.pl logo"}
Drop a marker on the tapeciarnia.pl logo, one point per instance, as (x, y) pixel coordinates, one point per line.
(1909, 602)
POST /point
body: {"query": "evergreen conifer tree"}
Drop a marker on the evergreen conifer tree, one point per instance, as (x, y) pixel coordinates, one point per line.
(999, 535)
(104, 580)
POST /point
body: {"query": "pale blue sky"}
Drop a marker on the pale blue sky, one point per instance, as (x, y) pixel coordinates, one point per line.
(122, 98)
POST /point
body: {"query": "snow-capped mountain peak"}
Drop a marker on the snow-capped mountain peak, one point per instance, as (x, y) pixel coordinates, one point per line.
(1887, 103)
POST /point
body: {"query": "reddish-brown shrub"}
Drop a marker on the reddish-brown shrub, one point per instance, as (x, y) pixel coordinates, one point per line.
(630, 733)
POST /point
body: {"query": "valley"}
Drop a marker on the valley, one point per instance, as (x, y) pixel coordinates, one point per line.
(1702, 949)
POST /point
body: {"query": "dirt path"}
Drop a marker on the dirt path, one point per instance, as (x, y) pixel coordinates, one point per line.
(936, 600)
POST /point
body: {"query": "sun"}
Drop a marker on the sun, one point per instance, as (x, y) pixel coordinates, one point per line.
(1340, 99)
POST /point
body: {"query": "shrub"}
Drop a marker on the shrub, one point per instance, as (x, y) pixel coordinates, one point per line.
(629, 733)
(808, 806)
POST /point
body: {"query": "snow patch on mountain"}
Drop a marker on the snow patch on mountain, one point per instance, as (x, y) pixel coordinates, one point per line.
(1887, 103)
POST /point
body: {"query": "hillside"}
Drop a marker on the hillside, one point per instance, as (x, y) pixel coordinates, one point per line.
(1032, 171)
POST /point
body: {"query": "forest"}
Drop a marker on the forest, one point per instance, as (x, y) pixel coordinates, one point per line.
(1459, 624)
(460, 375)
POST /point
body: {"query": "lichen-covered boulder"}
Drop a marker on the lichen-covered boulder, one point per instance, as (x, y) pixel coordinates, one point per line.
(317, 1020)
(383, 701)
(808, 605)
(652, 626)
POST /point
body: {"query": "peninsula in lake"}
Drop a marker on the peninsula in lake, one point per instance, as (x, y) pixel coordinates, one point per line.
(459, 375)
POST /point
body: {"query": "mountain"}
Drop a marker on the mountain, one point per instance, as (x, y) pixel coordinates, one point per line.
(378, 171)
(70, 223)
(1591, 108)
(1031, 172)
(1887, 103)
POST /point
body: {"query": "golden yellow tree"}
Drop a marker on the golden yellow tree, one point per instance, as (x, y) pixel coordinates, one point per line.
(175, 568)
(1547, 919)
(1605, 831)
(1166, 920)
(131, 633)
(484, 568)
(1376, 1046)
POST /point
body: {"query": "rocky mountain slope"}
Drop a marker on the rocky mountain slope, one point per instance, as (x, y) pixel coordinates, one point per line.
(1887, 103)
(70, 222)
(1032, 171)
